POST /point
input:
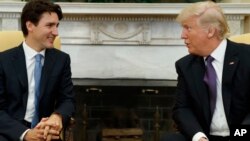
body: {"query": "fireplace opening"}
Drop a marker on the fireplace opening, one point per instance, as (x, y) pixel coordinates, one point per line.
(120, 106)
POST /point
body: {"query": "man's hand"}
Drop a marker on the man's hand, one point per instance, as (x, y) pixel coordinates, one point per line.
(52, 127)
(34, 134)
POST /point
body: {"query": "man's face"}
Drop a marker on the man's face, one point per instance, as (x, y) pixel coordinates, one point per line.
(195, 37)
(43, 34)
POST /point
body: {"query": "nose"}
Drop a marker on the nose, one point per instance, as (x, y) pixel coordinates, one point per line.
(183, 34)
(55, 31)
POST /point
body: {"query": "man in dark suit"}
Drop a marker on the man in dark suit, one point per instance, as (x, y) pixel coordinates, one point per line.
(206, 111)
(19, 102)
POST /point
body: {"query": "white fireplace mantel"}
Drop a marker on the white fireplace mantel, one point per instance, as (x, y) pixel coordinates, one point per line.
(128, 40)
(127, 8)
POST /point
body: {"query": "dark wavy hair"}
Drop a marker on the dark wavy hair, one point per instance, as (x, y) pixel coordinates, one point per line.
(33, 10)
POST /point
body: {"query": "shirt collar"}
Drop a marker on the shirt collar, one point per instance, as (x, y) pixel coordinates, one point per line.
(30, 52)
(219, 52)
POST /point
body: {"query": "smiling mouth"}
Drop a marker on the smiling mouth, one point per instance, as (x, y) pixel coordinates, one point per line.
(51, 39)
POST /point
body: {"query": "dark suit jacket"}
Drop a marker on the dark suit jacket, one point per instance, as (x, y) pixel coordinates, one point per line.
(192, 111)
(56, 89)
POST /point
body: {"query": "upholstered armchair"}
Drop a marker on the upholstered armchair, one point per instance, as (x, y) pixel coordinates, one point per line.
(243, 38)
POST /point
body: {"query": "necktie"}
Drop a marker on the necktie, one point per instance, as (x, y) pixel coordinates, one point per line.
(37, 77)
(210, 80)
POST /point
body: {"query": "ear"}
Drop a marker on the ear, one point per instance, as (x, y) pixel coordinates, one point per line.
(29, 26)
(211, 32)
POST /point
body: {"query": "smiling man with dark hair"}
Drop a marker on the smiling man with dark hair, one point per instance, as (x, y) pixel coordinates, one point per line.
(36, 89)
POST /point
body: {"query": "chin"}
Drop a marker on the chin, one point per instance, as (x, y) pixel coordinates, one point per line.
(190, 51)
(49, 46)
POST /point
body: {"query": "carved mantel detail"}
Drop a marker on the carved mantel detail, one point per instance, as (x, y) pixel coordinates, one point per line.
(10, 15)
(120, 33)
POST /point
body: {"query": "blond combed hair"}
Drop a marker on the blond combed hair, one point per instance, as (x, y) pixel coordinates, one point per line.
(209, 14)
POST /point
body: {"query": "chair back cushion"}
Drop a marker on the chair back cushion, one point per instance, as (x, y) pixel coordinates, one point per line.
(243, 38)
(9, 39)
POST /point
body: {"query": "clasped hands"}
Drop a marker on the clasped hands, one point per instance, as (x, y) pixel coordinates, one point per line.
(46, 130)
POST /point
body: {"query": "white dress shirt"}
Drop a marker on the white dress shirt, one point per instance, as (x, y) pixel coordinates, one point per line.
(219, 126)
(30, 66)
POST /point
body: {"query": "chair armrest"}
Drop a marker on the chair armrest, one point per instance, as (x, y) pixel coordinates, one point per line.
(67, 132)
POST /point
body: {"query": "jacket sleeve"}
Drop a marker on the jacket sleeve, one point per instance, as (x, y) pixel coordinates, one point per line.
(183, 115)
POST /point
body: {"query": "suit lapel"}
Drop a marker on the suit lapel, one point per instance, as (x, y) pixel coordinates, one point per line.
(198, 71)
(230, 64)
(47, 68)
(19, 64)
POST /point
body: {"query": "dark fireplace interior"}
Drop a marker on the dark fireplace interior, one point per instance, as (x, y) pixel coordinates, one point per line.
(122, 104)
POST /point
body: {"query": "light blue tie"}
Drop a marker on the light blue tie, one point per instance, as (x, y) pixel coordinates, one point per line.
(37, 77)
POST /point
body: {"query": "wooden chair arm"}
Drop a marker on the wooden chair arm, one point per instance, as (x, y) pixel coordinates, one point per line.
(67, 132)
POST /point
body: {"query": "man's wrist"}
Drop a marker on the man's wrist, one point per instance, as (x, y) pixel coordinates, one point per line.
(198, 136)
(22, 138)
(203, 139)
(57, 115)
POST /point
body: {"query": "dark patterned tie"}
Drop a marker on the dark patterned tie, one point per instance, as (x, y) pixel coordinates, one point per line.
(37, 77)
(210, 80)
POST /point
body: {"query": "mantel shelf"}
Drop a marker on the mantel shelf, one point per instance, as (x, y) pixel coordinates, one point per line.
(127, 8)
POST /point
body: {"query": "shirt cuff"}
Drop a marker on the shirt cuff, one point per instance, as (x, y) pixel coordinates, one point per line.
(24, 133)
(198, 135)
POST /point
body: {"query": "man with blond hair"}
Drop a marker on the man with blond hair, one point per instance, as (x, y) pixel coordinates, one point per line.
(213, 90)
